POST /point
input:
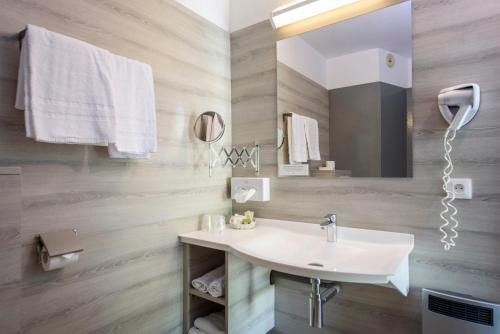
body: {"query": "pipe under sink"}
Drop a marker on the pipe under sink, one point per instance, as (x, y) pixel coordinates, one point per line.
(321, 293)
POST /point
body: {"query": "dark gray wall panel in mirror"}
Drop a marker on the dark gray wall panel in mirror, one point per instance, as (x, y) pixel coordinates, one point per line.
(339, 76)
(356, 129)
(369, 130)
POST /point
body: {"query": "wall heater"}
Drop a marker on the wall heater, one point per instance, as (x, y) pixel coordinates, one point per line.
(451, 313)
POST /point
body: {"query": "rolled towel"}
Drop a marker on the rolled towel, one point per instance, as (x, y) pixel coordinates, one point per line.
(211, 324)
(194, 330)
(202, 283)
(216, 287)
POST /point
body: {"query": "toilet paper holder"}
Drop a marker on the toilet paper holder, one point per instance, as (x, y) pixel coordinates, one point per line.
(58, 249)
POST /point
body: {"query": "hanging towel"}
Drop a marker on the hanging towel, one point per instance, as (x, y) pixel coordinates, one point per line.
(207, 126)
(134, 102)
(297, 145)
(75, 93)
(216, 127)
(211, 324)
(216, 287)
(202, 283)
(312, 137)
(65, 88)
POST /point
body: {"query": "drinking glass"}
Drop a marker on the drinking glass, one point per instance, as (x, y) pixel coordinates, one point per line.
(206, 223)
(218, 224)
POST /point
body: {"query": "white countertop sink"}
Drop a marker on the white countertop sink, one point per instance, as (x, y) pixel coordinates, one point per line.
(359, 255)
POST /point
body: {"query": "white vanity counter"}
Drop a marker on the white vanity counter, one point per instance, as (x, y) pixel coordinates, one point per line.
(359, 255)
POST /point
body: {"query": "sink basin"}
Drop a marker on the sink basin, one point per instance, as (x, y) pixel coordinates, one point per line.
(359, 255)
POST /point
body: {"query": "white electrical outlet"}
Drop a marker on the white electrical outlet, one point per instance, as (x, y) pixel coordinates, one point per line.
(462, 188)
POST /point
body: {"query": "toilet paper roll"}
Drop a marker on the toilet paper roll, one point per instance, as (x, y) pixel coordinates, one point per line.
(57, 262)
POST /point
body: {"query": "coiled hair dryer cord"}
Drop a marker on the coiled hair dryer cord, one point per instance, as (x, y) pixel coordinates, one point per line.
(449, 210)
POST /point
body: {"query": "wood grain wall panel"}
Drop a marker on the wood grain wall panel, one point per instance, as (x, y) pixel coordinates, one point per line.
(128, 213)
(250, 297)
(10, 249)
(461, 46)
(253, 89)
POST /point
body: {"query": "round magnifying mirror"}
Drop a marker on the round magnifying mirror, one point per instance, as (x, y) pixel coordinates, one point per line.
(209, 127)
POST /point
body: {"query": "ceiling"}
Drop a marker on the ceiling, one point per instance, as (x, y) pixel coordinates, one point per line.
(388, 28)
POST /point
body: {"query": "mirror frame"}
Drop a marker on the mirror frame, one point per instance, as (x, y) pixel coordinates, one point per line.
(223, 130)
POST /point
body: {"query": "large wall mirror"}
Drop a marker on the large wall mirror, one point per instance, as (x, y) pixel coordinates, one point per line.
(344, 98)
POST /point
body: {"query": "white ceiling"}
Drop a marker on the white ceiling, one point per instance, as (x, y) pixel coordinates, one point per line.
(388, 28)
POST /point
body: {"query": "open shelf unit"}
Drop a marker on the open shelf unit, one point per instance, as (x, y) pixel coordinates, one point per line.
(248, 301)
(220, 301)
(197, 262)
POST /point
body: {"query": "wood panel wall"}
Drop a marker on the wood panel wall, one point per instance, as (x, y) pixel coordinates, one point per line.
(297, 93)
(460, 46)
(129, 279)
(10, 248)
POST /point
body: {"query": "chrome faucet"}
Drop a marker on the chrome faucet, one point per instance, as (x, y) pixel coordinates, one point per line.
(330, 224)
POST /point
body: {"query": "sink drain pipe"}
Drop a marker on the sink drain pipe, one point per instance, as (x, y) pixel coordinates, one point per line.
(321, 293)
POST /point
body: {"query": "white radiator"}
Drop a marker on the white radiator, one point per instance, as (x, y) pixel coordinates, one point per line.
(448, 313)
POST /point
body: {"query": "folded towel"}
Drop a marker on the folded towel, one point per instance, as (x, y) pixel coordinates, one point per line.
(211, 324)
(216, 287)
(202, 283)
(194, 330)
(312, 137)
(75, 93)
(64, 86)
(297, 145)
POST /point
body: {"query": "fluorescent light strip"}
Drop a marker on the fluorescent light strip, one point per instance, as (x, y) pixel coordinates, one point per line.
(301, 10)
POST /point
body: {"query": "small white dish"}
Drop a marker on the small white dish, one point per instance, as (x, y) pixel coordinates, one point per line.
(236, 223)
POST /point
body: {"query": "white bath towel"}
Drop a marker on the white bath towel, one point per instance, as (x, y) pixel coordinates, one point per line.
(312, 137)
(65, 88)
(194, 330)
(202, 283)
(216, 287)
(75, 93)
(207, 126)
(211, 324)
(216, 127)
(134, 103)
(297, 145)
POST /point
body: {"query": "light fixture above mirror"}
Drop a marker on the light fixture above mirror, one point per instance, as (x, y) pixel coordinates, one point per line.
(303, 9)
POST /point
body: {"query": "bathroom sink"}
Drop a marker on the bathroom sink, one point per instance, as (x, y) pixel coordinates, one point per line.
(359, 255)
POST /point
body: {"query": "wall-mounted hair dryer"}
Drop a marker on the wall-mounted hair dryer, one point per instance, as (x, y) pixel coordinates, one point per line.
(458, 105)
(464, 100)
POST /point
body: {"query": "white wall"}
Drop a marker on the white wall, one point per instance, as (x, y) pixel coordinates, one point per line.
(303, 58)
(352, 69)
(348, 70)
(232, 15)
(399, 74)
(215, 11)
(365, 67)
(244, 13)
